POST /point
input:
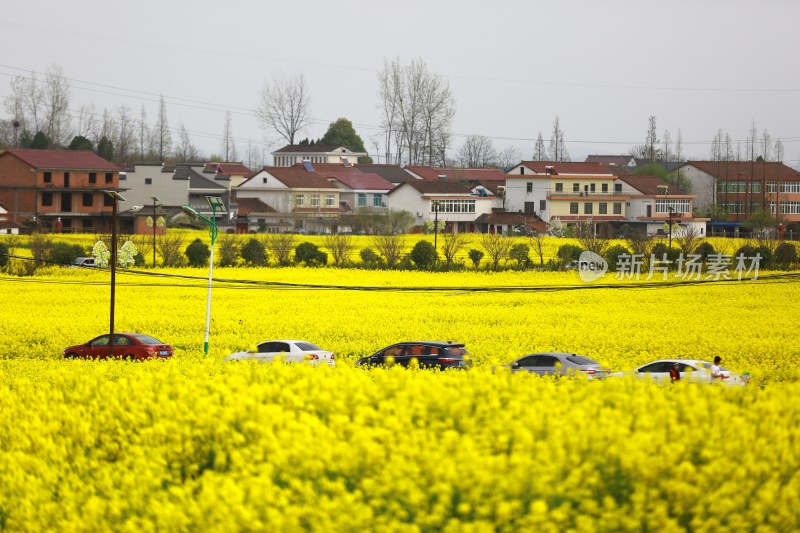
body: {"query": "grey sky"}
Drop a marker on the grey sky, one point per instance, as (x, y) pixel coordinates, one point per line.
(602, 66)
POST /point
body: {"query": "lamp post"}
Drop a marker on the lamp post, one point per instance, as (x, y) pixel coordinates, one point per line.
(435, 205)
(216, 207)
(116, 198)
(671, 214)
(155, 205)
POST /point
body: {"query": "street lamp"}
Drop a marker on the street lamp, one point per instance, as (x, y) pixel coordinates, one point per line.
(155, 204)
(435, 205)
(671, 214)
(116, 197)
(216, 207)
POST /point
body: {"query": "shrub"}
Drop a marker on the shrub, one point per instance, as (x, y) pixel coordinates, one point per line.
(309, 254)
(569, 252)
(369, 258)
(64, 253)
(704, 249)
(612, 254)
(197, 253)
(672, 254)
(785, 254)
(424, 255)
(4, 254)
(254, 253)
(475, 256)
(766, 257)
(520, 253)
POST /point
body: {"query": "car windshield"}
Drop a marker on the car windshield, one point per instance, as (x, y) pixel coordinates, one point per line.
(307, 346)
(581, 360)
(146, 339)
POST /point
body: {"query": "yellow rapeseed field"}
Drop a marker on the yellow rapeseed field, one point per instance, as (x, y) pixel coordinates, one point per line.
(196, 443)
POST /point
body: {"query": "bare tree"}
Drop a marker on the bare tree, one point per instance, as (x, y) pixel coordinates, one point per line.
(778, 151)
(284, 106)
(537, 244)
(497, 247)
(340, 246)
(228, 145)
(667, 142)
(766, 146)
(390, 247)
(86, 122)
(558, 151)
(438, 111)
(162, 134)
(452, 243)
(539, 151)
(143, 132)
(185, 151)
(688, 238)
(477, 152)
(586, 233)
(281, 246)
(27, 103)
(507, 157)
(56, 105)
(170, 247)
(389, 85)
(678, 147)
(229, 249)
(124, 133)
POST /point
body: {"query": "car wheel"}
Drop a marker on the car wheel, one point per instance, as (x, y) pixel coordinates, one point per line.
(71, 356)
(130, 357)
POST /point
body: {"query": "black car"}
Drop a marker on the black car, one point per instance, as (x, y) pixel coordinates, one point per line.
(428, 354)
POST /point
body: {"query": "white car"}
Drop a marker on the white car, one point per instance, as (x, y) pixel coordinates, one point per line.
(692, 370)
(290, 351)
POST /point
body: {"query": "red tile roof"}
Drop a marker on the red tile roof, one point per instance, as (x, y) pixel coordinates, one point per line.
(253, 205)
(745, 170)
(652, 185)
(238, 169)
(62, 159)
(540, 167)
(458, 174)
(616, 160)
(435, 187)
(360, 180)
(299, 178)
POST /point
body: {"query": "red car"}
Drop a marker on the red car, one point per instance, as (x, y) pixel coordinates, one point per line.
(126, 346)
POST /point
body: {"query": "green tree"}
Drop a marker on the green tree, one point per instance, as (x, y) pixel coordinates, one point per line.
(40, 141)
(254, 253)
(65, 253)
(520, 253)
(105, 148)
(423, 255)
(342, 133)
(80, 143)
(310, 254)
(475, 256)
(4, 254)
(197, 253)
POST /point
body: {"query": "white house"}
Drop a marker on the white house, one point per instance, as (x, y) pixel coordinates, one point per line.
(292, 154)
(457, 206)
(653, 203)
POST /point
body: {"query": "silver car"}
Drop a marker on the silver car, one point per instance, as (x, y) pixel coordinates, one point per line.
(550, 363)
(290, 351)
(692, 370)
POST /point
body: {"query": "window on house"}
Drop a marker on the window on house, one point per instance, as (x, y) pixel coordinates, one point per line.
(362, 199)
(530, 187)
(618, 187)
(47, 199)
(263, 180)
(92, 177)
(377, 200)
(109, 177)
(592, 187)
(542, 205)
(88, 199)
(148, 181)
(559, 187)
(604, 187)
(573, 208)
(587, 208)
(300, 200)
(576, 187)
(329, 200)
(602, 208)
(48, 177)
(107, 200)
(315, 200)
(66, 179)
(617, 208)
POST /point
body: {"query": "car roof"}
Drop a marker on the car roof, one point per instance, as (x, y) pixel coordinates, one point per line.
(432, 343)
(564, 354)
(284, 340)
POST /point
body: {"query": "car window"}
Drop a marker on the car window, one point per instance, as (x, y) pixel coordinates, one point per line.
(147, 339)
(455, 351)
(281, 347)
(393, 351)
(307, 346)
(581, 360)
(545, 361)
(527, 361)
(99, 341)
(264, 347)
(119, 340)
(417, 349)
(659, 366)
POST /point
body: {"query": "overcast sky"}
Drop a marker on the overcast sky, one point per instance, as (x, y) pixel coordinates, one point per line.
(603, 67)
